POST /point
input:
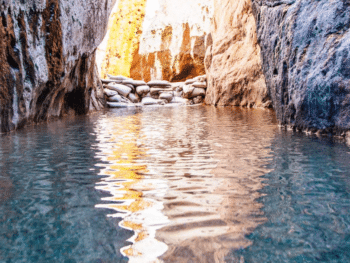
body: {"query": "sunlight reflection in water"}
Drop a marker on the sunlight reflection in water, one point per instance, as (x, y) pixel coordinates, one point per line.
(185, 179)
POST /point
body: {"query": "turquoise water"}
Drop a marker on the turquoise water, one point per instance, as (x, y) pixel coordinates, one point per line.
(182, 184)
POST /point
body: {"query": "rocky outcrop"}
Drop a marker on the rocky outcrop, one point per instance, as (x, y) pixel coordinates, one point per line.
(157, 40)
(232, 61)
(305, 47)
(47, 58)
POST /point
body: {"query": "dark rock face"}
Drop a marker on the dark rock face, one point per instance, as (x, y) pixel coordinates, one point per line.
(47, 54)
(305, 48)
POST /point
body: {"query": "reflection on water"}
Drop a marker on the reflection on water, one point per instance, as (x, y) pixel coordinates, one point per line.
(185, 180)
(183, 184)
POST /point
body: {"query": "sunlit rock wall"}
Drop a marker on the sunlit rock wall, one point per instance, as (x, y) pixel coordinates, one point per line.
(232, 61)
(305, 48)
(157, 39)
(116, 53)
(47, 54)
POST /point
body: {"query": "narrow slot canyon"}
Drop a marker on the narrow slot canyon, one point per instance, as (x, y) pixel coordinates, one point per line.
(175, 131)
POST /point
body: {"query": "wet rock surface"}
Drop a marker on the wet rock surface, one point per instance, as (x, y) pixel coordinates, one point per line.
(47, 59)
(156, 92)
(306, 61)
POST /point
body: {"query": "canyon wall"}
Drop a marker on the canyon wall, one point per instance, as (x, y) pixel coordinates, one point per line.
(305, 47)
(47, 53)
(157, 39)
(232, 61)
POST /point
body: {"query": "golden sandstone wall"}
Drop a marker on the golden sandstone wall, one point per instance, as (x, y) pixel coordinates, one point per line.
(156, 39)
(124, 31)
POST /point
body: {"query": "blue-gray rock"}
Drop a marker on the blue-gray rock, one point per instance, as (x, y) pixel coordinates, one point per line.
(305, 49)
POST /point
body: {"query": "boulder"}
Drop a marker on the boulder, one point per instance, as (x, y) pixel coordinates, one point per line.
(142, 90)
(115, 98)
(197, 92)
(107, 81)
(118, 78)
(151, 101)
(109, 92)
(202, 78)
(155, 91)
(121, 89)
(179, 100)
(121, 105)
(198, 100)
(133, 89)
(133, 98)
(187, 91)
(198, 84)
(166, 96)
(159, 83)
(190, 81)
(137, 83)
(177, 85)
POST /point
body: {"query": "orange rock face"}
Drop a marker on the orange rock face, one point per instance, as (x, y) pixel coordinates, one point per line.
(188, 63)
(232, 62)
(157, 39)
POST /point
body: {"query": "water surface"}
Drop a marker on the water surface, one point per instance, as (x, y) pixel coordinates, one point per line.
(173, 184)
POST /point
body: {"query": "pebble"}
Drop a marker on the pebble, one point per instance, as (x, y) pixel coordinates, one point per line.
(166, 96)
(133, 98)
(119, 78)
(142, 90)
(156, 92)
(119, 105)
(198, 92)
(198, 84)
(121, 89)
(202, 78)
(158, 83)
(109, 92)
(151, 101)
(115, 98)
(190, 81)
(187, 91)
(107, 81)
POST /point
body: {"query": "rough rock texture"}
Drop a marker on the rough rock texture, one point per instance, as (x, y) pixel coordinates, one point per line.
(233, 63)
(116, 52)
(47, 58)
(305, 47)
(166, 41)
